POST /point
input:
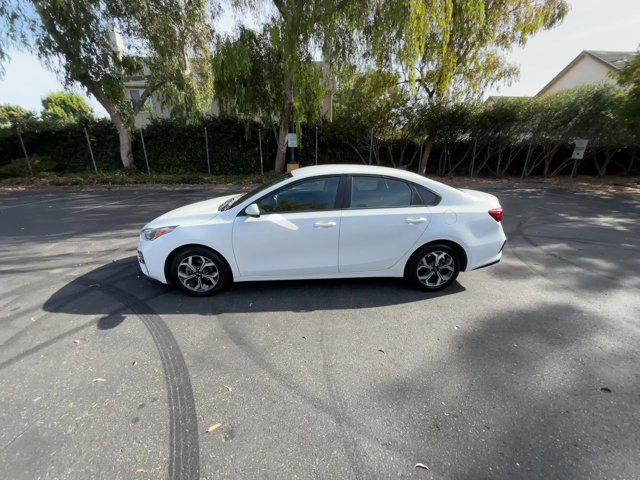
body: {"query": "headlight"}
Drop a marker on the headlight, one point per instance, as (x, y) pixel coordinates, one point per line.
(153, 233)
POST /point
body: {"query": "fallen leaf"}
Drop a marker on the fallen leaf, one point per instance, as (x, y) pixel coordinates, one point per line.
(228, 388)
(213, 427)
(422, 465)
(99, 379)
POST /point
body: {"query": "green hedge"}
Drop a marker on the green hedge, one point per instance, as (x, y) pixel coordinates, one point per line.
(178, 148)
(172, 147)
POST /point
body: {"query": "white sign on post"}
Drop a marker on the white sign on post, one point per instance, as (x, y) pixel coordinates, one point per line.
(580, 148)
(292, 140)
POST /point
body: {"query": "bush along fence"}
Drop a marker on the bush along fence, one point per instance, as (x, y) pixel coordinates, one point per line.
(511, 138)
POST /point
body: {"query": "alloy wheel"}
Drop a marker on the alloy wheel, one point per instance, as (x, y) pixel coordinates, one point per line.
(198, 273)
(435, 268)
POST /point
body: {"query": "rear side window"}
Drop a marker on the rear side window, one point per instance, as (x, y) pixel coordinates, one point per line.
(379, 192)
(427, 197)
(309, 195)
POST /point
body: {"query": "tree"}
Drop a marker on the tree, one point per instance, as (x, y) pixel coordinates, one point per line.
(15, 116)
(65, 107)
(370, 109)
(449, 48)
(76, 37)
(285, 46)
(629, 78)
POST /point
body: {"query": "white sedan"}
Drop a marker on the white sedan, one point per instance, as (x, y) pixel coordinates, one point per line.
(330, 221)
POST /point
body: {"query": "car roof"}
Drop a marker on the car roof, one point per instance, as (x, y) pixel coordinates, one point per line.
(346, 169)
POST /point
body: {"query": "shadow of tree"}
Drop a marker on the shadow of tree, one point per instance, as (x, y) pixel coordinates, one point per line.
(524, 399)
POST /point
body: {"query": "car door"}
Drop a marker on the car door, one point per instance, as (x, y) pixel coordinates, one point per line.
(383, 222)
(296, 233)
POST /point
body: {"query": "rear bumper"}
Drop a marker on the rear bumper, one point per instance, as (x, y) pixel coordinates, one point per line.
(487, 252)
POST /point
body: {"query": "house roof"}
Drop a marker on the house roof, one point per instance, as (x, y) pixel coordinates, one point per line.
(616, 60)
(612, 60)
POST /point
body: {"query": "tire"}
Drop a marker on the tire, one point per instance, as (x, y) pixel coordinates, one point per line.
(199, 272)
(420, 267)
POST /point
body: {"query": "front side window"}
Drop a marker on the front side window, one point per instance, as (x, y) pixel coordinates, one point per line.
(238, 199)
(379, 192)
(312, 194)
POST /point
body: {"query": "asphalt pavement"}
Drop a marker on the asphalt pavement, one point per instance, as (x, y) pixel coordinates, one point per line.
(525, 370)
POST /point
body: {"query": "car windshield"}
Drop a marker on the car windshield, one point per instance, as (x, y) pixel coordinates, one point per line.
(238, 199)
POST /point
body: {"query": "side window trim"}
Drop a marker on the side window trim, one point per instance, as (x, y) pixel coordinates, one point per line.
(336, 206)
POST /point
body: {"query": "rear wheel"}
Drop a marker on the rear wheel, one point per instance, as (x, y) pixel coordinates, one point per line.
(433, 267)
(199, 272)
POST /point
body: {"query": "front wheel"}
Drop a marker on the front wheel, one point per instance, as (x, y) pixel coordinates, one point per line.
(433, 268)
(199, 272)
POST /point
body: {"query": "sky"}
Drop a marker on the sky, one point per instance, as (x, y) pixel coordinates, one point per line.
(590, 25)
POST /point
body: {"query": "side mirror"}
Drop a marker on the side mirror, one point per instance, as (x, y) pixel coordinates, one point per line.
(252, 210)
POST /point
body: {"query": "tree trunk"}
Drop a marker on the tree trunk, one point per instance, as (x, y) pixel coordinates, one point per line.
(285, 120)
(426, 151)
(126, 154)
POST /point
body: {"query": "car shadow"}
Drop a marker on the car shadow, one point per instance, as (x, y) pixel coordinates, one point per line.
(123, 282)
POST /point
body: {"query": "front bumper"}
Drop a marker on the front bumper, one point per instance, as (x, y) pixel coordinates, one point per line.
(151, 257)
(141, 263)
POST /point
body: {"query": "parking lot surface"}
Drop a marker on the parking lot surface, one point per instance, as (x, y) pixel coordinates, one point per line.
(528, 369)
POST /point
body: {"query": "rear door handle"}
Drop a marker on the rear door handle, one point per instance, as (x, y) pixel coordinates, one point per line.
(324, 224)
(416, 220)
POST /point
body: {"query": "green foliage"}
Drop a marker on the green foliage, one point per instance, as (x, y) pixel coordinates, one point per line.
(447, 47)
(513, 136)
(629, 78)
(163, 38)
(15, 116)
(373, 99)
(247, 78)
(65, 107)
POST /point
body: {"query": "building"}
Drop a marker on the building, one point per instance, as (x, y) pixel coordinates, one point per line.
(590, 67)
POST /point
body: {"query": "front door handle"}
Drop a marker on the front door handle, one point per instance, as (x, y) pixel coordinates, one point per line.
(416, 220)
(324, 224)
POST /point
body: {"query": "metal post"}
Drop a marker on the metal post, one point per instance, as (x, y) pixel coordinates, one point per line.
(144, 149)
(316, 144)
(371, 147)
(260, 146)
(93, 160)
(24, 150)
(206, 146)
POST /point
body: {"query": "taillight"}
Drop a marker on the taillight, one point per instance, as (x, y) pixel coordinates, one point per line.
(497, 214)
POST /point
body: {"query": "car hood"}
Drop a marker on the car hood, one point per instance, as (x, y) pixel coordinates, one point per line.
(190, 214)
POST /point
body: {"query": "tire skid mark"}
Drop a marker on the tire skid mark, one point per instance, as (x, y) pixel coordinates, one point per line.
(184, 453)
(184, 449)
